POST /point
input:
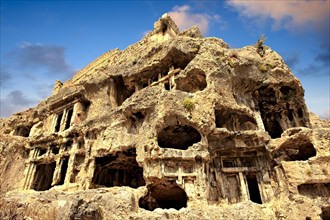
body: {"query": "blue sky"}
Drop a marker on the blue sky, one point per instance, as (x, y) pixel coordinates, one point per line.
(42, 41)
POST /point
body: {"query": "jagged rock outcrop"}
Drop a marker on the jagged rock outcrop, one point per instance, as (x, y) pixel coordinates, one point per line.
(175, 126)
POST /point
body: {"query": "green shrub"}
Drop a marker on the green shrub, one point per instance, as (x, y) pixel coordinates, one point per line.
(188, 104)
(261, 41)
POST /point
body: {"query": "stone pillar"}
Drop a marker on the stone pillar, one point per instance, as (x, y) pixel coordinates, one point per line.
(30, 170)
(113, 93)
(245, 196)
(137, 87)
(30, 175)
(171, 82)
(162, 167)
(90, 173)
(57, 172)
(49, 124)
(78, 114)
(180, 180)
(220, 180)
(259, 121)
(70, 169)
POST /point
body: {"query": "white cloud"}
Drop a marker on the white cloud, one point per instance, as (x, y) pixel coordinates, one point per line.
(185, 18)
(287, 14)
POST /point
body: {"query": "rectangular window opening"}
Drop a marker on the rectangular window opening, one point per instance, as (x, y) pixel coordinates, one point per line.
(167, 85)
(64, 168)
(42, 151)
(55, 149)
(68, 118)
(228, 163)
(58, 122)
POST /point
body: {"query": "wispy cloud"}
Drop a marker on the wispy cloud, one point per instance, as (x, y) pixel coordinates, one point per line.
(291, 59)
(13, 102)
(321, 64)
(314, 69)
(38, 64)
(287, 14)
(49, 57)
(4, 76)
(185, 18)
(323, 54)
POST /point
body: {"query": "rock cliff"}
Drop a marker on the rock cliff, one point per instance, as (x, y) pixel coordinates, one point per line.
(176, 126)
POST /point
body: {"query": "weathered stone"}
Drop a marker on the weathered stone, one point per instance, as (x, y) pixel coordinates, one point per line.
(175, 126)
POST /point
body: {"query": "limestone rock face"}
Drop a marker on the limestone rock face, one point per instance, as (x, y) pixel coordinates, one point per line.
(175, 126)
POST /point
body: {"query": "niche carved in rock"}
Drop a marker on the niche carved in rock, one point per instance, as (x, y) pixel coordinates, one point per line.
(178, 137)
(194, 81)
(164, 195)
(297, 150)
(234, 120)
(120, 169)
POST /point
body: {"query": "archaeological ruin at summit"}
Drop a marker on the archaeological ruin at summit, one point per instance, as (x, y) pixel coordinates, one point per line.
(176, 126)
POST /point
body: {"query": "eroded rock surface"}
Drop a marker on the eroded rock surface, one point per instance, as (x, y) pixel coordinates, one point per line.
(175, 126)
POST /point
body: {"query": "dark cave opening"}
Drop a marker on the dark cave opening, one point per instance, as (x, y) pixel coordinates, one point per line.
(314, 189)
(272, 125)
(120, 169)
(135, 122)
(234, 121)
(178, 137)
(325, 215)
(118, 91)
(305, 151)
(43, 177)
(23, 131)
(164, 195)
(296, 151)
